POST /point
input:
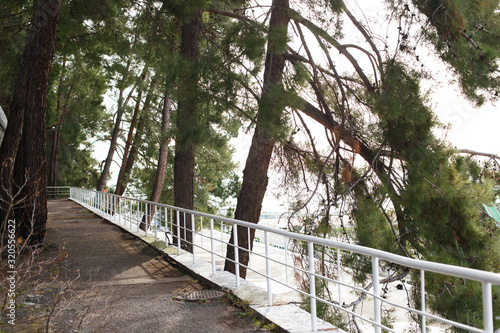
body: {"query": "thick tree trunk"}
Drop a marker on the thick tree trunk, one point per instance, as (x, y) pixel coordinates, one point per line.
(162, 159)
(186, 136)
(271, 107)
(101, 183)
(22, 155)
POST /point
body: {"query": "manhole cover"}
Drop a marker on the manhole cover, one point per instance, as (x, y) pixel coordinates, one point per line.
(201, 295)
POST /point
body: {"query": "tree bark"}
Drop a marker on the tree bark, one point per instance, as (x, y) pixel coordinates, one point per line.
(186, 136)
(128, 144)
(23, 155)
(130, 135)
(162, 159)
(122, 184)
(271, 107)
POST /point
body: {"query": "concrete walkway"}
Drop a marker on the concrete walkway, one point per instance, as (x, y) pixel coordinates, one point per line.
(119, 284)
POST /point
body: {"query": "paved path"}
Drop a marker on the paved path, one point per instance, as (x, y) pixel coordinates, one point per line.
(124, 286)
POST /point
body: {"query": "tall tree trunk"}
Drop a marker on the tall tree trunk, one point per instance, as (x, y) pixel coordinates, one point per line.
(128, 144)
(162, 159)
(187, 126)
(130, 135)
(271, 107)
(22, 155)
(55, 137)
(122, 183)
(56, 142)
(114, 137)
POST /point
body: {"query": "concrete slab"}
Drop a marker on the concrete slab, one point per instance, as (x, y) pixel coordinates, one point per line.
(293, 319)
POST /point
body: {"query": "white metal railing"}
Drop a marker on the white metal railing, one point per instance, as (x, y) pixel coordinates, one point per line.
(211, 232)
(58, 192)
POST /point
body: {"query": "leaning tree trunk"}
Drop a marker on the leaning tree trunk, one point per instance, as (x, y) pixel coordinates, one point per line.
(101, 183)
(121, 185)
(186, 137)
(130, 135)
(128, 144)
(23, 155)
(162, 160)
(271, 107)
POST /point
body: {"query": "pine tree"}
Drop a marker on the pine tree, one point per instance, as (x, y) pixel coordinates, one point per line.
(22, 153)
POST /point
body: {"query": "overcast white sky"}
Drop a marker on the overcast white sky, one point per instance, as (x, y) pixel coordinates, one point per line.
(471, 128)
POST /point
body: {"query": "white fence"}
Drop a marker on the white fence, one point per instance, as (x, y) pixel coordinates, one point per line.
(210, 235)
(58, 192)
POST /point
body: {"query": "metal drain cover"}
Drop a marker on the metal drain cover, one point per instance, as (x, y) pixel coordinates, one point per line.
(201, 295)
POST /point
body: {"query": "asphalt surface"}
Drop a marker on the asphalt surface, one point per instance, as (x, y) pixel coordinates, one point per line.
(113, 282)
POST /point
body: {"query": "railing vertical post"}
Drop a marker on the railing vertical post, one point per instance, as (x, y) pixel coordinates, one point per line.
(487, 308)
(212, 247)
(376, 295)
(286, 260)
(137, 216)
(168, 224)
(236, 255)
(130, 212)
(178, 221)
(422, 300)
(339, 271)
(120, 211)
(248, 239)
(147, 211)
(312, 286)
(165, 213)
(268, 270)
(193, 233)
(222, 238)
(201, 231)
(153, 213)
(184, 226)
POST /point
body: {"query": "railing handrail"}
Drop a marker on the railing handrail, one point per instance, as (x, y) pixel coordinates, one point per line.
(458, 271)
